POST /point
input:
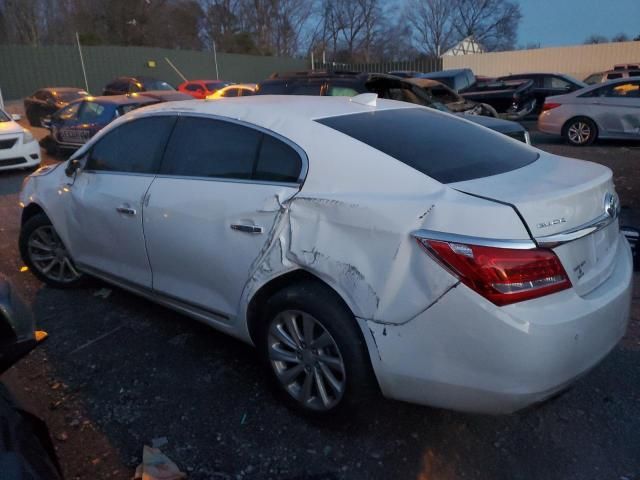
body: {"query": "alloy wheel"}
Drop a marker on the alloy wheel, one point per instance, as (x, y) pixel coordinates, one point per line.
(50, 257)
(306, 360)
(579, 133)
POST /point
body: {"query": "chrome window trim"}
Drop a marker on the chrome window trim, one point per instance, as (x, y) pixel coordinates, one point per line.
(424, 234)
(595, 225)
(304, 168)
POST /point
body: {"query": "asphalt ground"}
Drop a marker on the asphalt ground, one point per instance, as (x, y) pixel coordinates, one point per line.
(119, 371)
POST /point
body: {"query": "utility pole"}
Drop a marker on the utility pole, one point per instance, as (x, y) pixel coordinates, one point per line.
(84, 71)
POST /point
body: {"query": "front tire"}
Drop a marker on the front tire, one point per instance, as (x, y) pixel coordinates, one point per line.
(314, 351)
(46, 256)
(580, 131)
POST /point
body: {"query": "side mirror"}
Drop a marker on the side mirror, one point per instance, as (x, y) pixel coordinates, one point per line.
(74, 166)
(16, 117)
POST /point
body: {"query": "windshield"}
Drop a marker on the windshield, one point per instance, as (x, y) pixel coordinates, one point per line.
(4, 117)
(213, 86)
(70, 96)
(157, 85)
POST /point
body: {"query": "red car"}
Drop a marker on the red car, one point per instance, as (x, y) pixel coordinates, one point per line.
(202, 88)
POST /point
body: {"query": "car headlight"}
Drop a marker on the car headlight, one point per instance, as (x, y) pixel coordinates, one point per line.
(28, 136)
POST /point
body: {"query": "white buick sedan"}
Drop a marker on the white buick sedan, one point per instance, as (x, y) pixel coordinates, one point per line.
(361, 245)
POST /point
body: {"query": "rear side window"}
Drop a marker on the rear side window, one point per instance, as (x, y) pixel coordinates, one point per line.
(441, 146)
(201, 147)
(133, 147)
(277, 161)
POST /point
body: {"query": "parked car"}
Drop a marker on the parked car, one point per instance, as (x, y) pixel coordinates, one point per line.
(417, 91)
(18, 148)
(616, 74)
(514, 99)
(605, 110)
(202, 88)
(139, 83)
(360, 244)
(46, 101)
(442, 94)
(235, 90)
(547, 85)
(72, 126)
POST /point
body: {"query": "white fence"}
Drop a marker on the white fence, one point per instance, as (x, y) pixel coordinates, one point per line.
(579, 61)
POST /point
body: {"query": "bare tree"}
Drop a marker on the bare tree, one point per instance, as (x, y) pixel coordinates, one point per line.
(432, 24)
(595, 39)
(620, 37)
(492, 23)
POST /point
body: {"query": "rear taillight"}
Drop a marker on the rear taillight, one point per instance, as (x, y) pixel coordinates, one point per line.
(550, 106)
(501, 275)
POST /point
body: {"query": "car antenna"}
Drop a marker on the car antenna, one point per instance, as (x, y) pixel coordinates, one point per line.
(369, 99)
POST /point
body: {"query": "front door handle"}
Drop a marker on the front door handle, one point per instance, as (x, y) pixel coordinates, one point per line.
(127, 210)
(247, 228)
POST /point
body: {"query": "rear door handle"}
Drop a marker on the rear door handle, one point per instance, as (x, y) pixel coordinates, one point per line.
(126, 210)
(247, 228)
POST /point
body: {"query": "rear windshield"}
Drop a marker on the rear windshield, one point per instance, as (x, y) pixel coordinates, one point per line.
(440, 146)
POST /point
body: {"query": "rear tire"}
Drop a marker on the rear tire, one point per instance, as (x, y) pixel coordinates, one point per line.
(580, 131)
(314, 352)
(46, 256)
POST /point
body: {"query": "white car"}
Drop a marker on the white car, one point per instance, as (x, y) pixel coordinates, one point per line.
(358, 243)
(606, 110)
(18, 148)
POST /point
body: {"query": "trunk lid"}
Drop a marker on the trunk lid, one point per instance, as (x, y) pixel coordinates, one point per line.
(554, 195)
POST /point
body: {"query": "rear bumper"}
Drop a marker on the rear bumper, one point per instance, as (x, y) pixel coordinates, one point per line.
(466, 354)
(550, 122)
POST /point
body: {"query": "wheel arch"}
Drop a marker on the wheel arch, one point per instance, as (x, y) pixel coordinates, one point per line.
(30, 211)
(566, 124)
(266, 291)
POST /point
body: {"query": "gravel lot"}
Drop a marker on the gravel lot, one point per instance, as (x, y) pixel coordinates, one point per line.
(119, 371)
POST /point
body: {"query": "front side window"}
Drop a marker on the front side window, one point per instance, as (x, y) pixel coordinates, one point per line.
(341, 91)
(192, 87)
(133, 147)
(231, 92)
(613, 76)
(556, 83)
(306, 89)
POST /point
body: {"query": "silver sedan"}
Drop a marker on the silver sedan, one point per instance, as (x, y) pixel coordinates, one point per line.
(606, 110)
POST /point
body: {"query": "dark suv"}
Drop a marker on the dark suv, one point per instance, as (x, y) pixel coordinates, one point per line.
(341, 83)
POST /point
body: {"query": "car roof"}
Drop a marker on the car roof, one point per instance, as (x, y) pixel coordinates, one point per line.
(61, 89)
(283, 114)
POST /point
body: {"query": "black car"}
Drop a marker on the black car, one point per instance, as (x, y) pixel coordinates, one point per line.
(547, 84)
(76, 123)
(47, 101)
(139, 83)
(386, 86)
(513, 99)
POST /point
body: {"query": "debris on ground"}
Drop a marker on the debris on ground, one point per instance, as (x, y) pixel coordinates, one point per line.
(159, 442)
(103, 292)
(157, 466)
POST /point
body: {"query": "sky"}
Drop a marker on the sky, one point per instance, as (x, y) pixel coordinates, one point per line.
(569, 22)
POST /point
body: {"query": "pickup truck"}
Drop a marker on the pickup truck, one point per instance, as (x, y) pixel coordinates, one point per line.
(512, 99)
